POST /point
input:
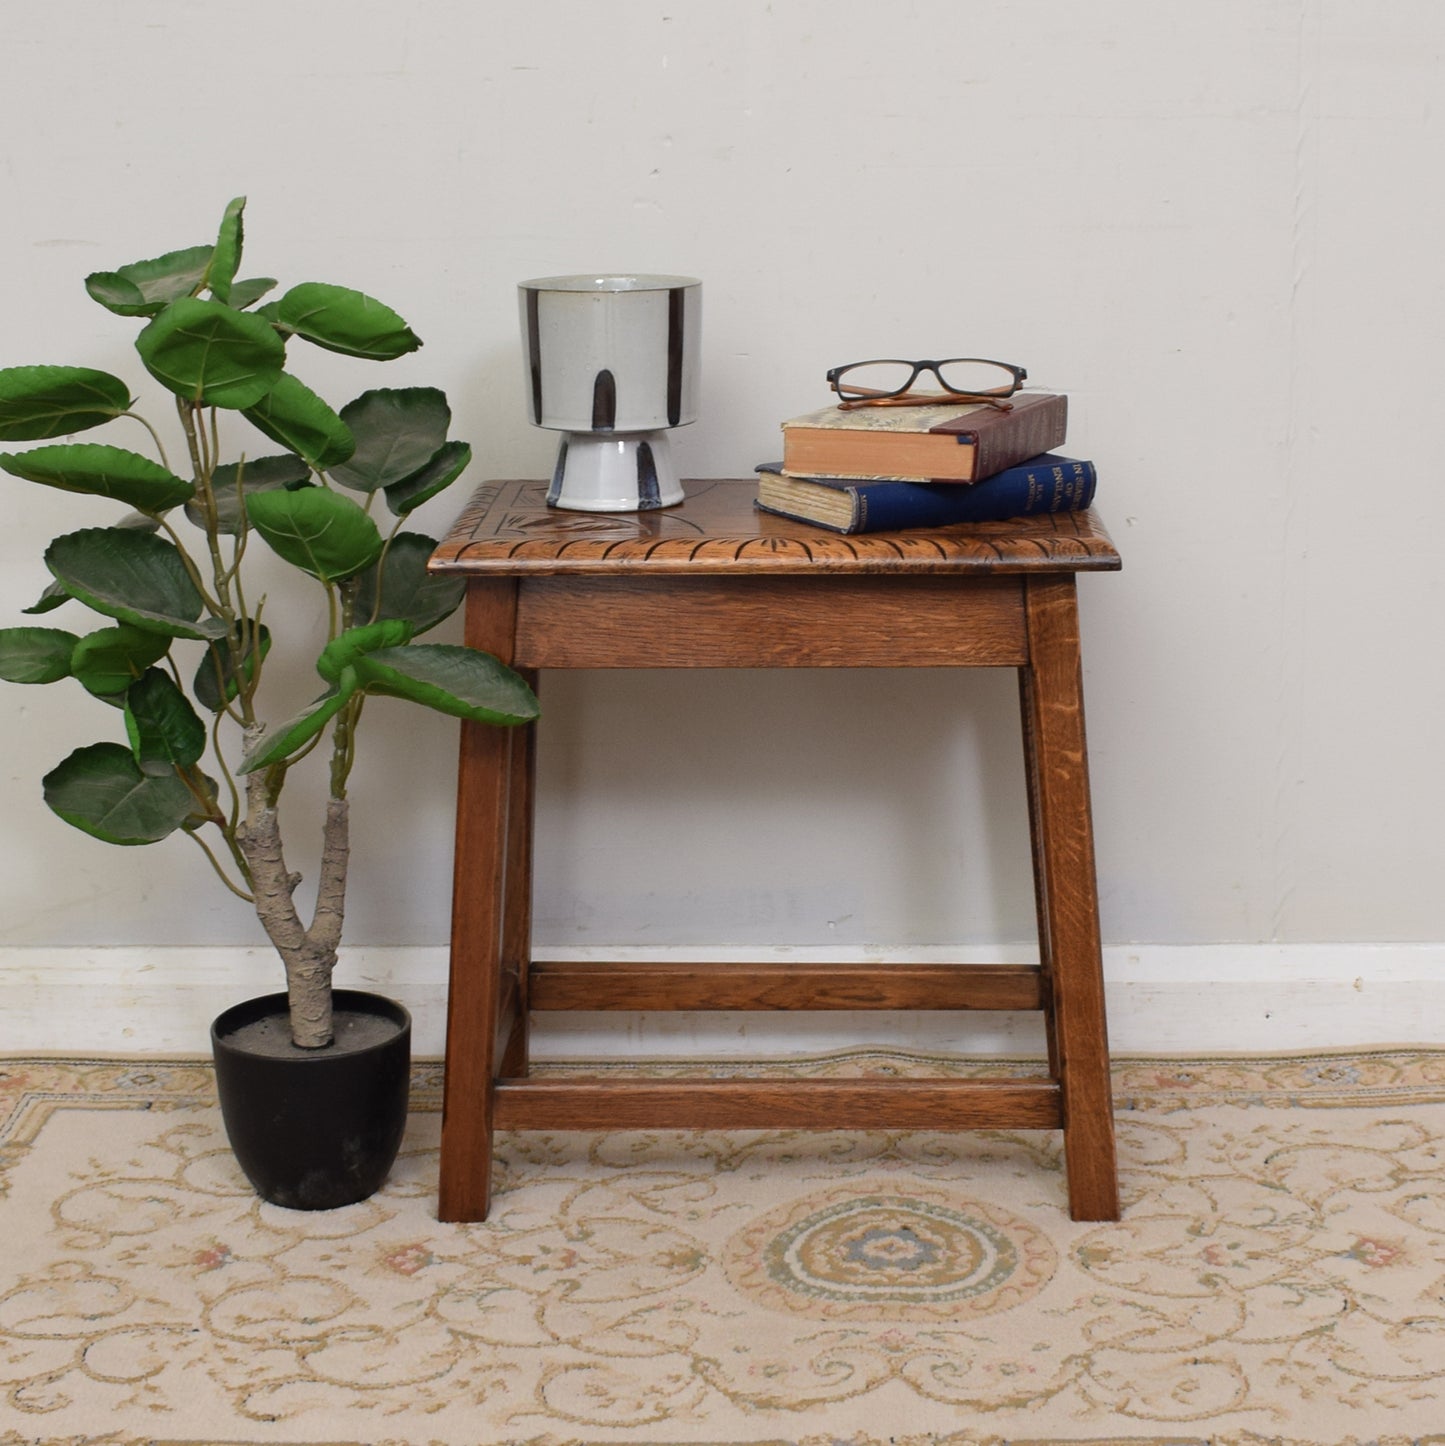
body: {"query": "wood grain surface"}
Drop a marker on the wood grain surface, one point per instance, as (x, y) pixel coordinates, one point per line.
(508, 528)
(758, 621)
(791, 984)
(792, 1104)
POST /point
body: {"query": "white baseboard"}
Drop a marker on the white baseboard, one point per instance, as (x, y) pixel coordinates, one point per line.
(1162, 999)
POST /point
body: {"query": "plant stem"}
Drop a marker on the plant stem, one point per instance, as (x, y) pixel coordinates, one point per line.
(155, 437)
(208, 463)
(343, 749)
(235, 814)
(223, 606)
(189, 563)
(343, 736)
(380, 566)
(221, 874)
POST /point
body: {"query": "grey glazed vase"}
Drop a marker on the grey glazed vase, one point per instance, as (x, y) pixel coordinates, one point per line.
(612, 362)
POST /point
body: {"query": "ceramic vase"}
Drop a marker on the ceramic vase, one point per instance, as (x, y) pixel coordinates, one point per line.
(612, 364)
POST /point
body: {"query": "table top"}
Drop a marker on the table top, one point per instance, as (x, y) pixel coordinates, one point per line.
(508, 530)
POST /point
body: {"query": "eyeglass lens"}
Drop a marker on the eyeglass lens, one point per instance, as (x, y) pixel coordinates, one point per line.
(888, 378)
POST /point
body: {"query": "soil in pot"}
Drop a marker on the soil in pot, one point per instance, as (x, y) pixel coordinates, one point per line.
(271, 1034)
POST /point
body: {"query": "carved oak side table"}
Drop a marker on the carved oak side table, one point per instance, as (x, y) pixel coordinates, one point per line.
(743, 589)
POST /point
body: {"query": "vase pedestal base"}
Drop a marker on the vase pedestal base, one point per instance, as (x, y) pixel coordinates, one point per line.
(614, 472)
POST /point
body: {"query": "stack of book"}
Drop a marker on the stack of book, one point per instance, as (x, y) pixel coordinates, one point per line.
(876, 469)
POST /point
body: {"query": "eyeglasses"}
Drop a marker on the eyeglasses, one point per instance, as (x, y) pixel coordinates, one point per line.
(887, 383)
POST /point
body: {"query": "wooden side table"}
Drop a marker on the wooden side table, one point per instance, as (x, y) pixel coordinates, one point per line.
(742, 589)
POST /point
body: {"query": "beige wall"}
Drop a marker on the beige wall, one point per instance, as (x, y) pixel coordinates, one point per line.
(1217, 227)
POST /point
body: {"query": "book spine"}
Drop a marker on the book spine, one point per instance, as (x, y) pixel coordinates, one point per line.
(1003, 439)
(1046, 484)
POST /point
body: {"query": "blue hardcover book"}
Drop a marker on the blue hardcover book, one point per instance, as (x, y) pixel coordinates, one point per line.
(1046, 483)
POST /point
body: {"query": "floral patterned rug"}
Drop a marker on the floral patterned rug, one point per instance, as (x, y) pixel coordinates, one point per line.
(1278, 1278)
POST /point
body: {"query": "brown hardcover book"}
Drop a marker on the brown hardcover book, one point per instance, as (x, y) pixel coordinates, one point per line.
(963, 443)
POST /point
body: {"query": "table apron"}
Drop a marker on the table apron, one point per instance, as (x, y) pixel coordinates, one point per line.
(765, 622)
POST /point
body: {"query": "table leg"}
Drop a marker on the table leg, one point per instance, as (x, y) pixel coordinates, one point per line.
(1057, 764)
(476, 992)
(517, 903)
(1041, 898)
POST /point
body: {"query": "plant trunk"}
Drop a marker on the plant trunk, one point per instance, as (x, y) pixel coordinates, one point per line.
(308, 997)
(309, 955)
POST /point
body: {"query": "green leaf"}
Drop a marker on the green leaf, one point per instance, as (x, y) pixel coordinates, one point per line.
(249, 292)
(165, 732)
(227, 255)
(146, 287)
(100, 471)
(459, 681)
(293, 415)
(278, 743)
(407, 589)
(53, 597)
(318, 531)
(342, 320)
(41, 402)
(133, 577)
(141, 521)
(109, 660)
(438, 474)
(35, 655)
(262, 475)
(102, 791)
(397, 431)
(207, 353)
(342, 651)
(55, 594)
(120, 294)
(201, 815)
(215, 682)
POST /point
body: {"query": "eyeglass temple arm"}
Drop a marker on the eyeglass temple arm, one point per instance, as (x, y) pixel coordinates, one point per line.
(921, 399)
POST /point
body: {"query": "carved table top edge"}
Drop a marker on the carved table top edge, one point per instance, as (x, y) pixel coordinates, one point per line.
(508, 530)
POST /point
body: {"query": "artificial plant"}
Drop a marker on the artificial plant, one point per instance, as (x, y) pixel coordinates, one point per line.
(182, 654)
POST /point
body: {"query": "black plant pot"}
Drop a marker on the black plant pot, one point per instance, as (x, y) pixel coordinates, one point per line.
(314, 1128)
